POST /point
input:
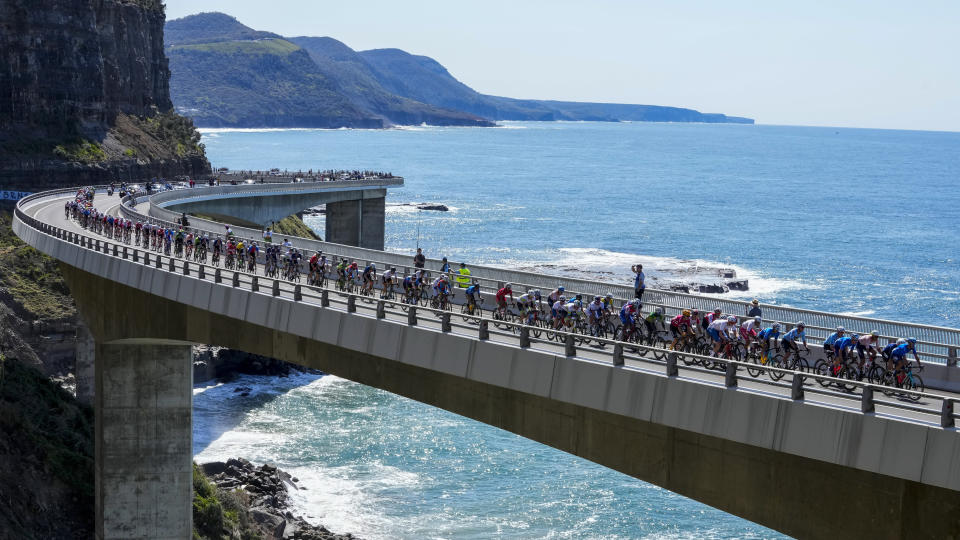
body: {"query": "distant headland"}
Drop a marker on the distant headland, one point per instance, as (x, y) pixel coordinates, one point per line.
(225, 74)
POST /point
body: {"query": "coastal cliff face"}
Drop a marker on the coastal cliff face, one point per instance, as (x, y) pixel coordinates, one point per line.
(85, 86)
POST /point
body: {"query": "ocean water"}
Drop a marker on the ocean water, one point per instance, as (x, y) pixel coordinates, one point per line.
(857, 221)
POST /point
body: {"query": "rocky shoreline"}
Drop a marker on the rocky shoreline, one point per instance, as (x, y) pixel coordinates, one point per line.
(268, 489)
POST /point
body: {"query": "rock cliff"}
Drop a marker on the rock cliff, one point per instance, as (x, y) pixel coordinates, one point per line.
(85, 86)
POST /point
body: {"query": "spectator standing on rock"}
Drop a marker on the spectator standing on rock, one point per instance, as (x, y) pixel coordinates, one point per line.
(419, 260)
(754, 309)
(639, 281)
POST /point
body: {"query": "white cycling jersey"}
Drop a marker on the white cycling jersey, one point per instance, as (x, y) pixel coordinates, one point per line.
(720, 325)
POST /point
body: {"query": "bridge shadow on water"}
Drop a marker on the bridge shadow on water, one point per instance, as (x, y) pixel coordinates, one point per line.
(222, 408)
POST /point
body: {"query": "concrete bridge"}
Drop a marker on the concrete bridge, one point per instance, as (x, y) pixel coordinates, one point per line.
(874, 465)
(355, 208)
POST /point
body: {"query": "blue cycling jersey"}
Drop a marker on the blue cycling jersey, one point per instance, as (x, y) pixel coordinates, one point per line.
(831, 339)
(473, 289)
(794, 334)
(889, 348)
(900, 351)
(768, 333)
(843, 343)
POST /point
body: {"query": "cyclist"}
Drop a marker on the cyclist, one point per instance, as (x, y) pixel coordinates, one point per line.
(831, 340)
(473, 294)
(710, 317)
(554, 296)
(627, 313)
(526, 303)
(764, 338)
(369, 275)
(342, 270)
(595, 315)
(748, 330)
(608, 304)
(502, 296)
(887, 352)
(867, 346)
(651, 320)
(843, 350)
(899, 354)
(572, 310)
(407, 285)
(680, 327)
(558, 311)
(789, 342)
(719, 331)
(353, 270)
(252, 253)
(387, 280)
(441, 288)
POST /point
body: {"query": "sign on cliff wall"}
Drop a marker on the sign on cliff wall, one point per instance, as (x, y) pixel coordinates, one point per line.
(13, 195)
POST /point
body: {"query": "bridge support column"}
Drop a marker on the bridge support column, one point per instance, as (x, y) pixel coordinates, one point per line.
(143, 441)
(356, 223)
(83, 369)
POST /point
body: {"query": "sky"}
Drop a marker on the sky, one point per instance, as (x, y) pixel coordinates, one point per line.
(850, 63)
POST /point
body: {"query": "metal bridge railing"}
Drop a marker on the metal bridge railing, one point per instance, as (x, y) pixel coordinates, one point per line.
(865, 396)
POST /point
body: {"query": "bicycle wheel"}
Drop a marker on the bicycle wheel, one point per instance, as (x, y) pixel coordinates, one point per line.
(776, 361)
(823, 368)
(915, 383)
(757, 370)
(660, 347)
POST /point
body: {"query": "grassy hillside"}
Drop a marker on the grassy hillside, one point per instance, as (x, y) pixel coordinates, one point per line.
(269, 82)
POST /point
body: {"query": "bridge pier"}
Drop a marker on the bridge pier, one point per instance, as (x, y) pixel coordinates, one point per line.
(357, 222)
(144, 471)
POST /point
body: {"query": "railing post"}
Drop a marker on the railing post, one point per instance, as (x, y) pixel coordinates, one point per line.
(217, 276)
(186, 268)
(297, 293)
(325, 298)
(146, 258)
(568, 347)
(946, 414)
(276, 287)
(255, 284)
(412, 316)
(952, 357)
(524, 336)
(115, 250)
(381, 309)
(445, 322)
(484, 330)
(159, 262)
(351, 304)
(672, 370)
(796, 389)
(125, 252)
(236, 279)
(201, 272)
(136, 255)
(731, 377)
(866, 402)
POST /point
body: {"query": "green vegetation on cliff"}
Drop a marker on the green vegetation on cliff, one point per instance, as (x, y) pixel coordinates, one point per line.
(32, 279)
(293, 226)
(46, 474)
(220, 514)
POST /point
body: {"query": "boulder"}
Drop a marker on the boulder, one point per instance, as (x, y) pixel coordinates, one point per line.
(713, 288)
(738, 285)
(270, 522)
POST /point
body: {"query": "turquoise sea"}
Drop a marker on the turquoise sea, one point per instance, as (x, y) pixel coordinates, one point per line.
(857, 221)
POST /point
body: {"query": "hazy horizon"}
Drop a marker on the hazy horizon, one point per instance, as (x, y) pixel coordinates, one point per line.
(871, 65)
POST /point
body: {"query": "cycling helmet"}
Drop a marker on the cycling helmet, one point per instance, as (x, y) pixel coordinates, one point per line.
(731, 319)
(635, 302)
(596, 298)
(563, 299)
(776, 326)
(717, 310)
(686, 313)
(840, 329)
(609, 295)
(854, 337)
(392, 269)
(579, 297)
(875, 333)
(912, 340)
(658, 310)
(508, 286)
(801, 325)
(560, 288)
(901, 341)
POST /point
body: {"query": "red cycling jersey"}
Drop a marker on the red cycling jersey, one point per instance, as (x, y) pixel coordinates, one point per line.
(502, 294)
